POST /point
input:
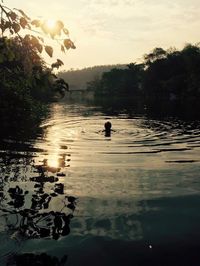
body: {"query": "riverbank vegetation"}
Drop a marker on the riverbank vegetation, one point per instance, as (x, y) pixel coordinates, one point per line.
(164, 77)
(27, 83)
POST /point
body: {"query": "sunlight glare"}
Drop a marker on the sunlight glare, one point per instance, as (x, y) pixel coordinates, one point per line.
(51, 23)
(53, 161)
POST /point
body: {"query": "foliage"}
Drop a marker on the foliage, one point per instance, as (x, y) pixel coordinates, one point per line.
(176, 76)
(78, 78)
(25, 79)
(166, 75)
(13, 21)
(119, 82)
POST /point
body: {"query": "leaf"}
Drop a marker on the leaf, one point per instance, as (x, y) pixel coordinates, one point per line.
(73, 46)
(22, 13)
(66, 31)
(55, 65)
(59, 24)
(4, 25)
(12, 15)
(16, 27)
(60, 62)
(23, 22)
(28, 26)
(49, 50)
(7, 24)
(34, 40)
(63, 48)
(56, 30)
(40, 38)
(39, 47)
(27, 38)
(36, 23)
(67, 43)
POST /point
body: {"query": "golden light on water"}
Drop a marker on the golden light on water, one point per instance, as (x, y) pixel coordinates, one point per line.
(53, 139)
(53, 160)
(56, 137)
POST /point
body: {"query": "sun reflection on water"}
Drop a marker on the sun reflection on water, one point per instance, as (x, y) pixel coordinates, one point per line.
(57, 137)
(53, 160)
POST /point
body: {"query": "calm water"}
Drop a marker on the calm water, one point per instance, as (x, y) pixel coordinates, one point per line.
(138, 191)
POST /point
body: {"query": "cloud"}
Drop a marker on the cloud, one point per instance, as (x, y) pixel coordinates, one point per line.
(109, 2)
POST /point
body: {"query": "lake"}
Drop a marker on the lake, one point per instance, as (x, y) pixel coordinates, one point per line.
(80, 198)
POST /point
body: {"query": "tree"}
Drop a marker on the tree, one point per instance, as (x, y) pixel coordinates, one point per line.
(156, 54)
(25, 79)
(15, 21)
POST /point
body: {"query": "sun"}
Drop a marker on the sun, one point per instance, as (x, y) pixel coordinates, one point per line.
(50, 23)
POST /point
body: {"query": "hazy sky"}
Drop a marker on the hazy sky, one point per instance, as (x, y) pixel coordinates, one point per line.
(118, 31)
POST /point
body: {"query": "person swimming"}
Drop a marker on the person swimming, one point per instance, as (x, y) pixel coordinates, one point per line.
(107, 129)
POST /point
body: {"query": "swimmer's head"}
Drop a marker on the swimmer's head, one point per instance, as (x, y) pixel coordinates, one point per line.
(108, 126)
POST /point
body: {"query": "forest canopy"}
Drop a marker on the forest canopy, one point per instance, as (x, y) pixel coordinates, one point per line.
(164, 75)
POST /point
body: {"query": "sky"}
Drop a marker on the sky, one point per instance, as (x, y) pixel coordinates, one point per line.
(109, 32)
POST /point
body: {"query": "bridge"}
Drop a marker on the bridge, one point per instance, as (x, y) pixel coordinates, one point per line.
(79, 93)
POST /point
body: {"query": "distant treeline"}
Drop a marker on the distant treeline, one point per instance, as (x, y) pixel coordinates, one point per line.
(78, 79)
(165, 75)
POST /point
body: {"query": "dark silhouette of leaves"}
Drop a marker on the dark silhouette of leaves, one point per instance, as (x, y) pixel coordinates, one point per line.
(49, 50)
(63, 48)
(22, 13)
(23, 22)
(60, 62)
(57, 64)
(67, 43)
(40, 38)
(73, 46)
(12, 15)
(7, 25)
(36, 23)
(34, 41)
(16, 27)
(39, 47)
(60, 24)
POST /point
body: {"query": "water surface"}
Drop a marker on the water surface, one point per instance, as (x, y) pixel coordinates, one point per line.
(137, 191)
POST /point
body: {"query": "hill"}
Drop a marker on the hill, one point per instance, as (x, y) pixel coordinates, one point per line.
(78, 79)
